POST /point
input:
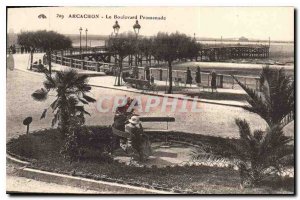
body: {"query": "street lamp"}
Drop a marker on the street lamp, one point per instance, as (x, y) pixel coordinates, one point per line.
(116, 28)
(80, 29)
(136, 27)
(86, 30)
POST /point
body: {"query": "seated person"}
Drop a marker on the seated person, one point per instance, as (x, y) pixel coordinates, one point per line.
(138, 143)
(38, 66)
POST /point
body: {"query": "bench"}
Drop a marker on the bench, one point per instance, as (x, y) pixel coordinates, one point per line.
(140, 84)
(158, 119)
(144, 119)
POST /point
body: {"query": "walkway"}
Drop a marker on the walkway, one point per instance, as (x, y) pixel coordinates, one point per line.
(22, 63)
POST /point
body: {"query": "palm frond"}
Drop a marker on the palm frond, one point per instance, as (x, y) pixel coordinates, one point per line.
(81, 109)
(89, 99)
(43, 114)
(276, 100)
(55, 119)
(40, 95)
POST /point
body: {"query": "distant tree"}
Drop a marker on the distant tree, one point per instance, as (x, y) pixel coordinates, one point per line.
(47, 41)
(193, 49)
(27, 39)
(170, 47)
(71, 90)
(145, 47)
(122, 46)
(50, 41)
(276, 99)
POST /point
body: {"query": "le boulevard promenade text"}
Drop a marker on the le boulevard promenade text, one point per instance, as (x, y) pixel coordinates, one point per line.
(97, 16)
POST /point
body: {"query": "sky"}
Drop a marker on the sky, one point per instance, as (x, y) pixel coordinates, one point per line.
(228, 22)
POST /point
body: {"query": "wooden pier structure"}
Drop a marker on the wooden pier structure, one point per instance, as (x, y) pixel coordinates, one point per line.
(221, 53)
(206, 53)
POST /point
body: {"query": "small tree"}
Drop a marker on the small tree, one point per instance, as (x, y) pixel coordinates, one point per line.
(50, 41)
(123, 45)
(145, 47)
(169, 48)
(70, 89)
(47, 41)
(28, 40)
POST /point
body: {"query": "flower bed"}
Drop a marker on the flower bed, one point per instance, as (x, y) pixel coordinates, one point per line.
(42, 150)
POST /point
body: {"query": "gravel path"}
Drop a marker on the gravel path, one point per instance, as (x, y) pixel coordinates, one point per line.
(212, 119)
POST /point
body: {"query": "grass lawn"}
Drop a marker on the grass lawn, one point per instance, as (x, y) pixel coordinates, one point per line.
(42, 149)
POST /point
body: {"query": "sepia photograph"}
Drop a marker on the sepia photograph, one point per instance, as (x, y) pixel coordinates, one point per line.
(150, 100)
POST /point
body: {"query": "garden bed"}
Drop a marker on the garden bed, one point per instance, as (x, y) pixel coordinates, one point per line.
(42, 149)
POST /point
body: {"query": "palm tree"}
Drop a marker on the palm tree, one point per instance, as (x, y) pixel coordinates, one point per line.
(71, 89)
(260, 154)
(275, 101)
(263, 152)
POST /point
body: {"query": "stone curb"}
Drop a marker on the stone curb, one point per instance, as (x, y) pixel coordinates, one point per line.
(74, 181)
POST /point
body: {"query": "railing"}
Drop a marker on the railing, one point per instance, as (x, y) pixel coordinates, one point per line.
(82, 51)
(161, 74)
(223, 80)
(211, 46)
(82, 64)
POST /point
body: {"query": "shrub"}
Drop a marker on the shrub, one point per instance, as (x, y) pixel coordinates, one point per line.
(261, 154)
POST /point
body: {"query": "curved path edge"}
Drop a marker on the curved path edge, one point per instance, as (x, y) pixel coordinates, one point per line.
(76, 181)
(169, 96)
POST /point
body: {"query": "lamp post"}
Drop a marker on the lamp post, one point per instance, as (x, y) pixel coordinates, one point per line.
(136, 28)
(86, 30)
(80, 29)
(116, 28)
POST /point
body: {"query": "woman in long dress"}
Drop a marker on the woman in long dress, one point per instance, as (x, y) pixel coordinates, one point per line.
(213, 82)
(198, 76)
(189, 78)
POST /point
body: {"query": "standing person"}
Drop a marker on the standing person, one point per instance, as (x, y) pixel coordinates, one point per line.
(152, 79)
(22, 49)
(213, 82)
(198, 76)
(14, 49)
(147, 71)
(189, 78)
(10, 62)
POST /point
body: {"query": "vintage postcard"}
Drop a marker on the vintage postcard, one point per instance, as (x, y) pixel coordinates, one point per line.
(150, 100)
